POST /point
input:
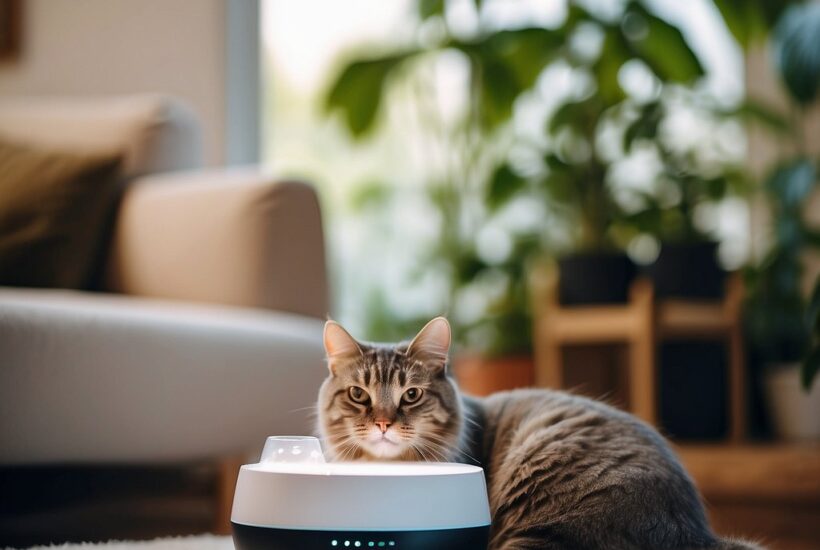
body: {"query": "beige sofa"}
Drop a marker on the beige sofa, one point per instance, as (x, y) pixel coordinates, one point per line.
(207, 336)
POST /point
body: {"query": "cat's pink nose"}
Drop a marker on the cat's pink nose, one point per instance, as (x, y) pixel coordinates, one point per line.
(383, 424)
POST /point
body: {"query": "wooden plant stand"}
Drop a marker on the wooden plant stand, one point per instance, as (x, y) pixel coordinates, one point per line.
(641, 324)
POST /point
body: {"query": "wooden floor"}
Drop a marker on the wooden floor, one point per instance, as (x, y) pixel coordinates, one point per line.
(769, 493)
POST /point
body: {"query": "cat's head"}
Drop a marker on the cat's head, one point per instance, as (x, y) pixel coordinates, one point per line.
(389, 402)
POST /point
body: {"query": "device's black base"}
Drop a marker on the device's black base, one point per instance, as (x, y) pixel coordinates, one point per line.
(246, 537)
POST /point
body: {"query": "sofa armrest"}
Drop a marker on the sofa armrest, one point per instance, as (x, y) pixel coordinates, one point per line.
(233, 237)
(93, 378)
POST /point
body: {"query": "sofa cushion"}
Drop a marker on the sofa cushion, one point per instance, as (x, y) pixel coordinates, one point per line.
(245, 239)
(94, 378)
(153, 133)
(53, 210)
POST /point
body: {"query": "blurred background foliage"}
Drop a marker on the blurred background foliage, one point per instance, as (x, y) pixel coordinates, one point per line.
(569, 166)
(460, 142)
(782, 323)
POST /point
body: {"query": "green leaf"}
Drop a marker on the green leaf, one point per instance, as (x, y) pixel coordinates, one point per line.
(791, 184)
(576, 14)
(648, 220)
(582, 116)
(374, 194)
(498, 92)
(562, 181)
(662, 47)
(359, 89)
(429, 8)
(810, 367)
(526, 51)
(467, 264)
(504, 184)
(747, 20)
(645, 126)
(771, 9)
(813, 309)
(716, 188)
(505, 64)
(614, 53)
(739, 181)
(812, 236)
(759, 112)
(796, 48)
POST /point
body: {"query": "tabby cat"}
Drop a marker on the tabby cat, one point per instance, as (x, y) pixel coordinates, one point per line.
(562, 471)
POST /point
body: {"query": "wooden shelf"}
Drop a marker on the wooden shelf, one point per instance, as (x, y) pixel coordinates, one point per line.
(778, 472)
(642, 324)
(768, 493)
(701, 319)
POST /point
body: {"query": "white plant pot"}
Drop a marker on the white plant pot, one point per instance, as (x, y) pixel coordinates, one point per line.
(795, 413)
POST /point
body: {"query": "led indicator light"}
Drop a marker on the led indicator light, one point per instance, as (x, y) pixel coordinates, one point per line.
(357, 543)
(334, 543)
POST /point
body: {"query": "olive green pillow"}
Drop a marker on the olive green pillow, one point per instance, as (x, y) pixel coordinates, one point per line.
(54, 207)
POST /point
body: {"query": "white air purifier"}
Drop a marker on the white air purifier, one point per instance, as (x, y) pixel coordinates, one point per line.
(293, 500)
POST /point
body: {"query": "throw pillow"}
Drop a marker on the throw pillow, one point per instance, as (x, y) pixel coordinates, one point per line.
(54, 207)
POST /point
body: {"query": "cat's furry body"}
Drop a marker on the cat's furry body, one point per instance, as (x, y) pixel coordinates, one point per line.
(562, 471)
(568, 472)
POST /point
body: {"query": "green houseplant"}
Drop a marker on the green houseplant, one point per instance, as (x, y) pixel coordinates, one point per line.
(782, 320)
(687, 265)
(577, 173)
(480, 182)
(811, 363)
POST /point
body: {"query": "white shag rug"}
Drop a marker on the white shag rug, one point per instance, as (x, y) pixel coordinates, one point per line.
(204, 542)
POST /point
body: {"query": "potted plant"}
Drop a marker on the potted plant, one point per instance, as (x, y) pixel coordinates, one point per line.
(782, 322)
(477, 183)
(686, 265)
(574, 180)
(811, 363)
(596, 270)
(492, 337)
(796, 414)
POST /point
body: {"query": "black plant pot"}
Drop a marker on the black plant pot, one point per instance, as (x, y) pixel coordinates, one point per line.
(688, 270)
(595, 278)
(693, 385)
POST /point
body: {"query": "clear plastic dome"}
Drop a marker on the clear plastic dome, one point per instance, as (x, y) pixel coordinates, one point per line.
(292, 449)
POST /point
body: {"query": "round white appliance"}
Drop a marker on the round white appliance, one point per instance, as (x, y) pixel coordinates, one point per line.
(292, 499)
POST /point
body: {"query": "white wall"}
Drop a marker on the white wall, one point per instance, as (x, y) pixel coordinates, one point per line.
(188, 48)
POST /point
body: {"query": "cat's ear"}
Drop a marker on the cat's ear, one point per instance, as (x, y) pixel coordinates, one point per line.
(339, 344)
(432, 344)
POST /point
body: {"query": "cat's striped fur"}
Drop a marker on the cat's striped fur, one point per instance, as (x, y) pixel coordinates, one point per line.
(562, 471)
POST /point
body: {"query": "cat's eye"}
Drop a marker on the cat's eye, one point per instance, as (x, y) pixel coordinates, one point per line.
(412, 395)
(358, 394)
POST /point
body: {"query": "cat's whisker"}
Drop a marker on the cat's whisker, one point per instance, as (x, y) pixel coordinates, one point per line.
(347, 451)
(467, 418)
(441, 441)
(342, 443)
(312, 408)
(465, 454)
(449, 447)
(420, 452)
(432, 448)
(347, 441)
